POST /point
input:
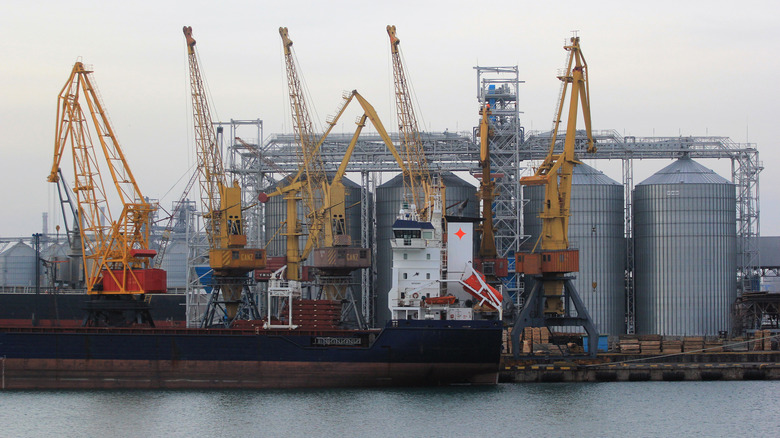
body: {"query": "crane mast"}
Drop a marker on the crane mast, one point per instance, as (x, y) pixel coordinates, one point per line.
(222, 211)
(417, 181)
(116, 250)
(553, 290)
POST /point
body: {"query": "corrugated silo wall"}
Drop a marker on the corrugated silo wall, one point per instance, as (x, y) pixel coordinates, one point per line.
(389, 197)
(685, 258)
(175, 263)
(596, 229)
(17, 266)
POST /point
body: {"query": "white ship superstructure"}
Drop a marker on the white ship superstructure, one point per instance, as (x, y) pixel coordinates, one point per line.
(418, 264)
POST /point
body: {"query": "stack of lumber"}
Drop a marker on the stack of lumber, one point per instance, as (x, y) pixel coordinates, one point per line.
(693, 343)
(506, 340)
(650, 344)
(536, 340)
(671, 346)
(713, 346)
(629, 344)
(763, 340)
(548, 349)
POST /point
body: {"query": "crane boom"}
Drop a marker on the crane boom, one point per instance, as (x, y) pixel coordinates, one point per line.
(334, 193)
(309, 154)
(556, 170)
(210, 168)
(419, 178)
(116, 250)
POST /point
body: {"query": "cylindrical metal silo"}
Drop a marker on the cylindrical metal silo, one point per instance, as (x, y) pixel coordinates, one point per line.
(596, 229)
(389, 197)
(17, 266)
(685, 251)
(275, 217)
(175, 263)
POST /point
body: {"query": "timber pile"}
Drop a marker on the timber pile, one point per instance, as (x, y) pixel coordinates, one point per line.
(506, 340)
(656, 344)
(629, 344)
(548, 349)
(693, 343)
(536, 340)
(762, 340)
(713, 346)
(671, 346)
(650, 344)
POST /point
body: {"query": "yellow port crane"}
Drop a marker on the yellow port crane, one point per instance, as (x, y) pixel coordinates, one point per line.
(229, 258)
(417, 181)
(311, 178)
(325, 202)
(550, 265)
(336, 257)
(116, 250)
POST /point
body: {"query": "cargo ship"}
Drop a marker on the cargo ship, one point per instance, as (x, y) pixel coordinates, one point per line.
(404, 353)
(433, 338)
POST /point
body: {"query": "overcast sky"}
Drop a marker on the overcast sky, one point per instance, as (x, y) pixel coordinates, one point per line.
(661, 68)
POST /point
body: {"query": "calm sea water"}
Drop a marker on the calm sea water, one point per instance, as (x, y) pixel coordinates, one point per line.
(637, 409)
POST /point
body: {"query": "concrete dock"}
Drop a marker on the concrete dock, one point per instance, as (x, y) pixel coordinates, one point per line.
(616, 367)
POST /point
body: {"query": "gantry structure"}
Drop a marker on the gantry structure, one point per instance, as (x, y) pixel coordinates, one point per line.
(258, 163)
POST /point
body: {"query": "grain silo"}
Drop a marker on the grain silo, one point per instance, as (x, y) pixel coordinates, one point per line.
(389, 197)
(596, 229)
(174, 263)
(17, 266)
(685, 251)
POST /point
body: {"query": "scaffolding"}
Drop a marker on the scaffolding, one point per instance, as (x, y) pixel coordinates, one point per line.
(498, 87)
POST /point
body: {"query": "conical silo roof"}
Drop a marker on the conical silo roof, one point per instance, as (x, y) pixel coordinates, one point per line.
(685, 171)
(584, 174)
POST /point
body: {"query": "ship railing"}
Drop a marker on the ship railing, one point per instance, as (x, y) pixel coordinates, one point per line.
(44, 290)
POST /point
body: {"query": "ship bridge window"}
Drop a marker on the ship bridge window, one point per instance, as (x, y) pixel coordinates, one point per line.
(406, 234)
(428, 234)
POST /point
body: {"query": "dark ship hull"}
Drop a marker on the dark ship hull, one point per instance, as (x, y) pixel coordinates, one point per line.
(404, 353)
